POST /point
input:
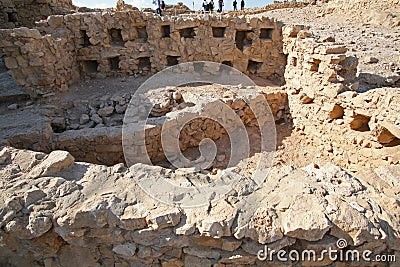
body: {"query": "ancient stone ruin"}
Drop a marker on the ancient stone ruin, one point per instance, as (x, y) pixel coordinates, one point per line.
(72, 193)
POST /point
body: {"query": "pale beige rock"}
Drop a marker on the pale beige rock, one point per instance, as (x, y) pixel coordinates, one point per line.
(55, 162)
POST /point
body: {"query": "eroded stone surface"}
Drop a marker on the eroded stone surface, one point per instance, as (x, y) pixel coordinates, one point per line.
(85, 205)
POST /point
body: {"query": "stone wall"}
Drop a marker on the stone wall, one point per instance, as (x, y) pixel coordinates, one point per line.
(17, 13)
(65, 48)
(317, 66)
(92, 130)
(356, 131)
(103, 145)
(40, 63)
(321, 83)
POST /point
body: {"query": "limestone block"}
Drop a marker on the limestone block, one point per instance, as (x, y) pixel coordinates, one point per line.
(55, 162)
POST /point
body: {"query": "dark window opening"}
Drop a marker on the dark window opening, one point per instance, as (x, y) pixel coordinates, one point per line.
(243, 40)
(266, 34)
(294, 62)
(85, 40)
(166, 31)
(91, 66)
(227, 63)
(116, 36)
(219, 32)
(253, 66)
(172, 61)
(142, 33)
(114, 63)
(315, 65)
(144, 62)
(187, 33)
(12, 16)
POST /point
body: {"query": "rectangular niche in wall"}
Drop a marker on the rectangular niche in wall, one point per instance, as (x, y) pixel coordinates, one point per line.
(114, 63)
(187, 32)
(166, 31)
(116, 36)
(219, 32)
(315, 64)
(142, 33)
(253, 66)
(85, 41)
(12, 17)
(91, 66)
(227, 63)
(144, 62)
(293, 62)
(172, 60)
(266, 34)
(242, 39)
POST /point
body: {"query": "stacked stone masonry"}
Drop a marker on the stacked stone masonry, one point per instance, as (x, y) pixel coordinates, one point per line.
(17, 13)
(64, 49)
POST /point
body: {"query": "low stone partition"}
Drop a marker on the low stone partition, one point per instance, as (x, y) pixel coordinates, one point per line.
(57, 212)
(96, 145)
(103, 145)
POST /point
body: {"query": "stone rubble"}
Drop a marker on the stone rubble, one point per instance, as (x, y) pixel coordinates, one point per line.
(95, 214)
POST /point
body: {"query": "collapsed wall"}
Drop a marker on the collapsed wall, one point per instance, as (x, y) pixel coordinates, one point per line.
(57, 212)
(64, 49)
(17, 13)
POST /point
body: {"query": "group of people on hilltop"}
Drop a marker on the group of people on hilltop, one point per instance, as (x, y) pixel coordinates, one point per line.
(242, 4)
(209, 6)
(160, 5)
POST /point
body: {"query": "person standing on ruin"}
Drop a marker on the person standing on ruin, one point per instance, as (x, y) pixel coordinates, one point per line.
(205, 5)
(211, 6)
(220, 4)
(162, 5)
(242, 5)
(234, 5)
(158, 6)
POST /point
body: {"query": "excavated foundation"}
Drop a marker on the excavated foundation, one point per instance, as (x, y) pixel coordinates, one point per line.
(68, 197)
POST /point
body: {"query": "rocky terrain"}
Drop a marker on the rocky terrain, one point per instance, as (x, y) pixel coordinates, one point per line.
(72, 194)
(62, 213)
